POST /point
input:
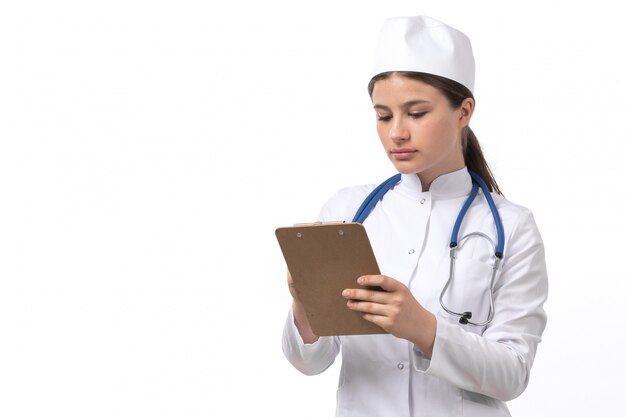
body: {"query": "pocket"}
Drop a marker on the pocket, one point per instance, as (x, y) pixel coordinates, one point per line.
(469, 291)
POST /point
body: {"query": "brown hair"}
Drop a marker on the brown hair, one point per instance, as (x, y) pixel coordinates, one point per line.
(455, 93)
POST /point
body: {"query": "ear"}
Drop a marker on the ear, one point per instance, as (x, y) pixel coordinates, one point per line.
(466, 111)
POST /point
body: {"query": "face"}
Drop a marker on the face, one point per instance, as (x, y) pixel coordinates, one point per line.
(418, 128)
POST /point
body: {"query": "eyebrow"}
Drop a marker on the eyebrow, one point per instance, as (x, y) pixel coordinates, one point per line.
(407, 104)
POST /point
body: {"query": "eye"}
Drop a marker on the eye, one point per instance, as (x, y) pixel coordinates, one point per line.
(417, 115)
(383, 117)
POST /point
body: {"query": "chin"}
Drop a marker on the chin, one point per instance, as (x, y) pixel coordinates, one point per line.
(406, 169)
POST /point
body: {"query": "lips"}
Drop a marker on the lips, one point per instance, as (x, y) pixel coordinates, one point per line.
(401, 154)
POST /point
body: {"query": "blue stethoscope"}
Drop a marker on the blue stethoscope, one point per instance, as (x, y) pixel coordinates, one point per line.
(464, 318)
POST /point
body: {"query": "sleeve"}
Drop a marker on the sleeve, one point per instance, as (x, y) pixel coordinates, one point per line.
(310, 359)
(498, 362)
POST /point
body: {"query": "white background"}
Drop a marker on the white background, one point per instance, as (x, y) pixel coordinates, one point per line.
(148, 150)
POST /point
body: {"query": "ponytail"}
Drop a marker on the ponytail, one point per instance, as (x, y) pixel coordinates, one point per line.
(455, 93)
(475, 160)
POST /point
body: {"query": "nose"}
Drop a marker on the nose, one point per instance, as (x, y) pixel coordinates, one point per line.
(398, 131)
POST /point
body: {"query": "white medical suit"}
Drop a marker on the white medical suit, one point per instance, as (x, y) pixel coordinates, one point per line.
(473, 370)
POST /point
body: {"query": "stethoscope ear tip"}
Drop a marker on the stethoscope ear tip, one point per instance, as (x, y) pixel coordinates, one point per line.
(465, 317)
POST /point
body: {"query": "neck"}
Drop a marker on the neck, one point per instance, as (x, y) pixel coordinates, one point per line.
(426, 181)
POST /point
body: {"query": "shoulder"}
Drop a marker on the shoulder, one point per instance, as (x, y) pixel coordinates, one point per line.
(510, 210)
(343, 205)
(519, 223)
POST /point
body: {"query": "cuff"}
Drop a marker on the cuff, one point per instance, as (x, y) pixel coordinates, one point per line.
(421, 362)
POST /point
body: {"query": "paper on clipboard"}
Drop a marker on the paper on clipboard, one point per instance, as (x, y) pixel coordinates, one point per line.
(323, 260)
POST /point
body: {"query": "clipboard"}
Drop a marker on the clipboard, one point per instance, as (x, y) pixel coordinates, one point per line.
(324, 259)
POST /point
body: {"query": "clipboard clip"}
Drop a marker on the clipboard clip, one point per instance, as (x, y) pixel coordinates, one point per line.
(340, 231)
(319, 223)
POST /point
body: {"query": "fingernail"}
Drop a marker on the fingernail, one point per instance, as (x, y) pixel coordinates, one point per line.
(346, 293)
(361, 280)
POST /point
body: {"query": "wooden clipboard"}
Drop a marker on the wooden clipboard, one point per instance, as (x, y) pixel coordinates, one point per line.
(324, 259)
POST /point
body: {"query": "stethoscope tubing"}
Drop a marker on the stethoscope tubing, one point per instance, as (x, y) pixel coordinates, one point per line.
(477, 182)
(494, 212)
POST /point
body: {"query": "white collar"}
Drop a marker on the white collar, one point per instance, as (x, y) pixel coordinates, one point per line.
(452, 185)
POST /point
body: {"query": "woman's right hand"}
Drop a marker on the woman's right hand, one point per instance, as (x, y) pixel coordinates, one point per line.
(292, 289)
(299, 316)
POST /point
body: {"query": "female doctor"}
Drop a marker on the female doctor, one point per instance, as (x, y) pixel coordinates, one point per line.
(463, 299)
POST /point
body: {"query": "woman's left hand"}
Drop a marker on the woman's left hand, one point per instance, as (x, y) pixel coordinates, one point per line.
(394, 309)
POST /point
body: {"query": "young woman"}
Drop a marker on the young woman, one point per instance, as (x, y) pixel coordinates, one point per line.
(465, 279)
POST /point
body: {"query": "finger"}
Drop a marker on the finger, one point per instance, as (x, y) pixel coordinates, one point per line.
(366, 307)
(378, 320)
(379, 297)
(383, 281)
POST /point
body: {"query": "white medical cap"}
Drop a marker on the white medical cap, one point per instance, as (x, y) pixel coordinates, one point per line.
(424, 44)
